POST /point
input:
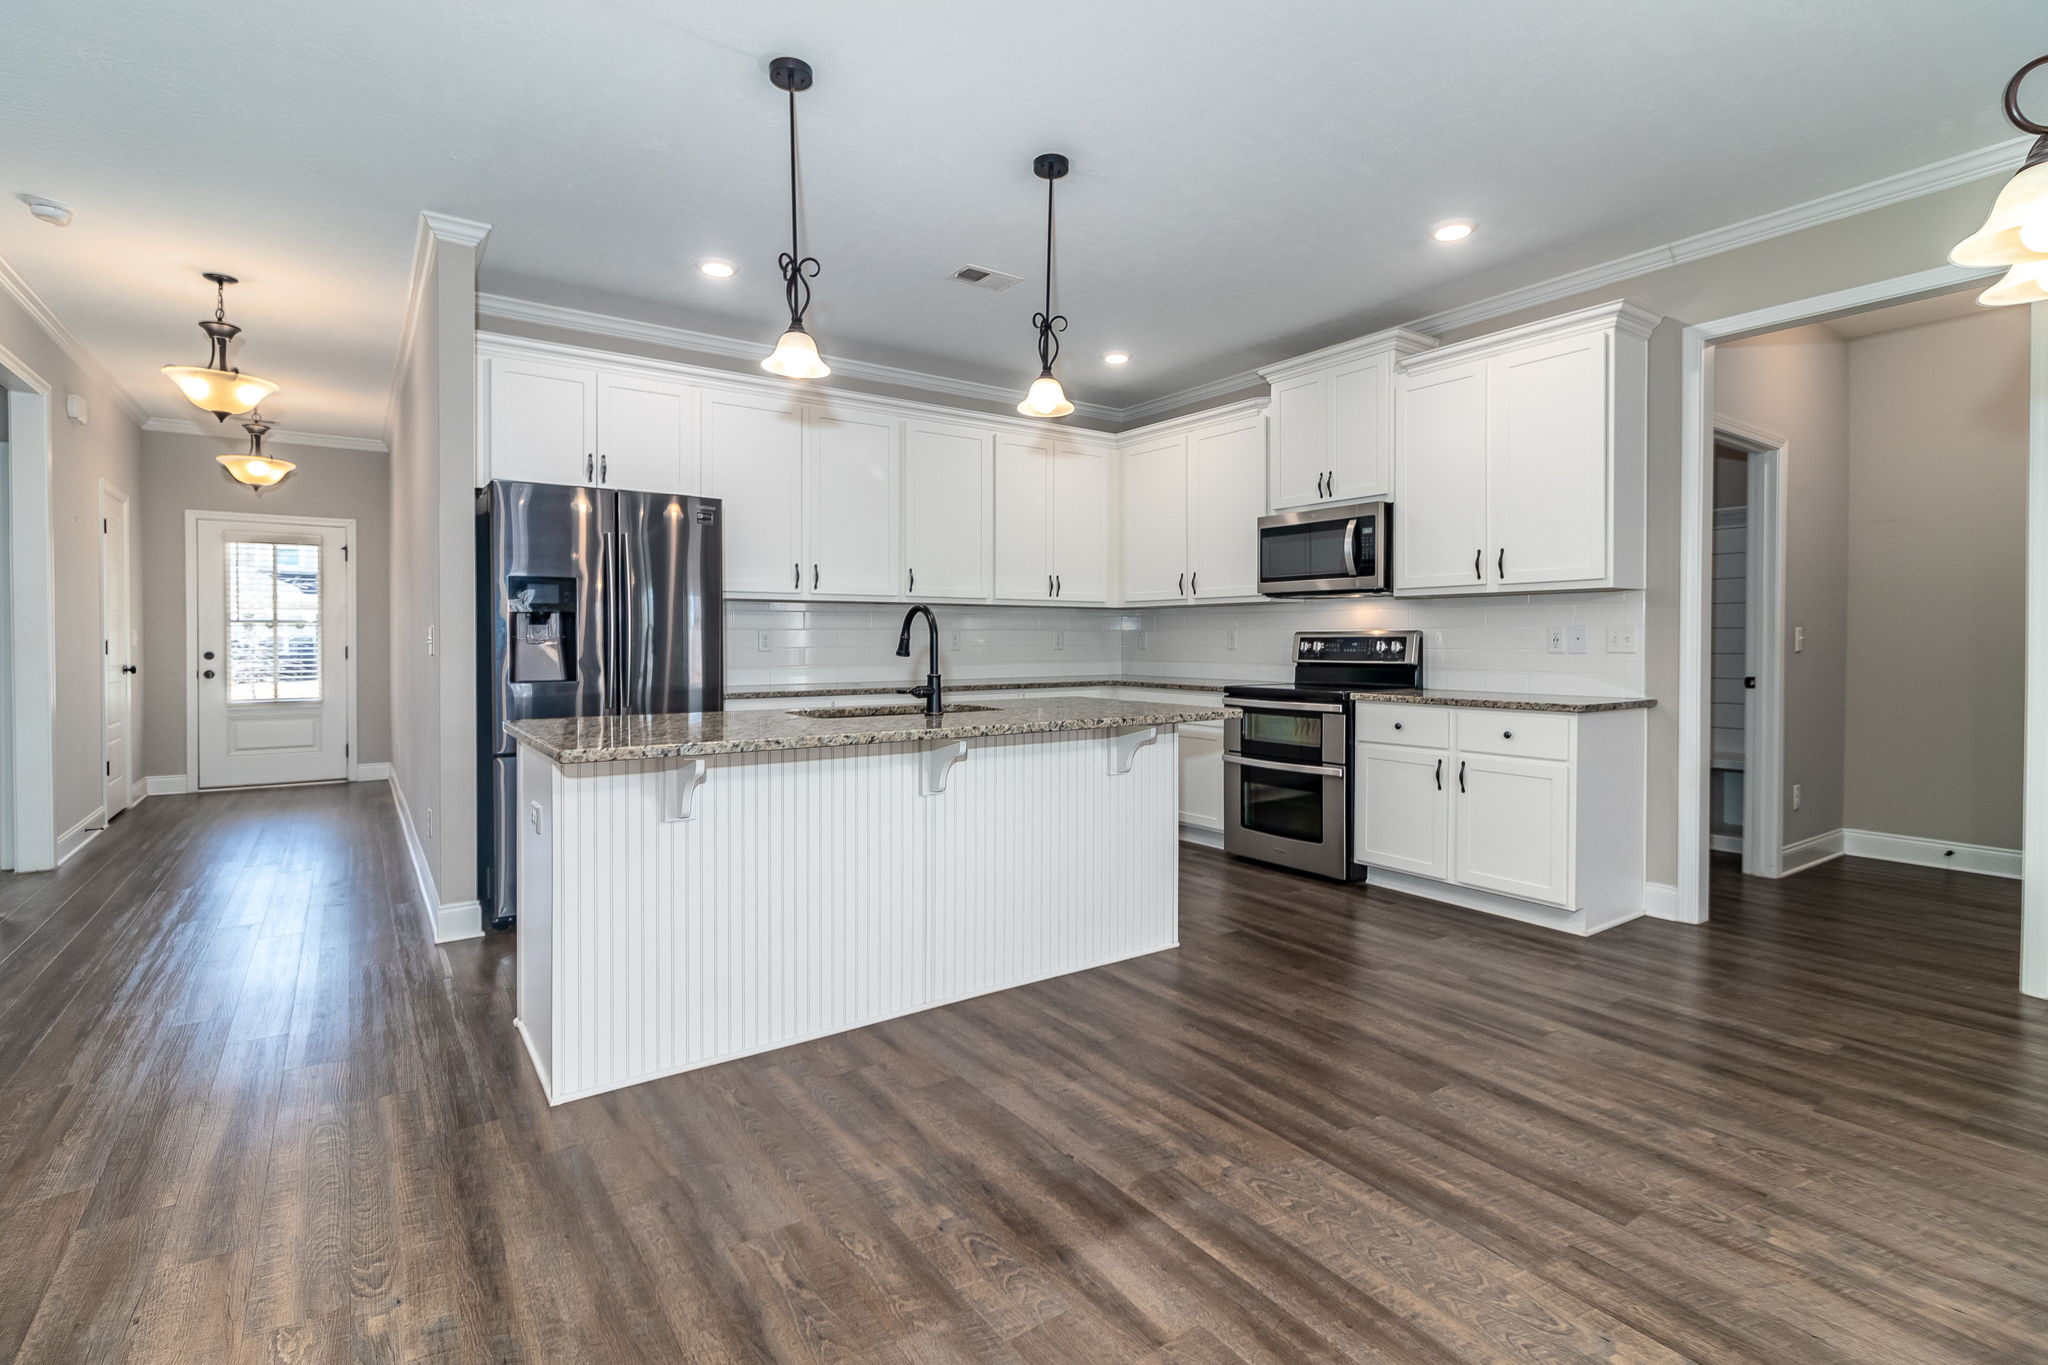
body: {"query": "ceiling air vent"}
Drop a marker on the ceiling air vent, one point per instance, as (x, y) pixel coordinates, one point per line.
(981, 277)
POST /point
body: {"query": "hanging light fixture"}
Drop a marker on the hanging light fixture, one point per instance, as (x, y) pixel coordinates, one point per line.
(1046, 398)
(795, 355)
(2016, 232)
(215, 386)
(253, 467)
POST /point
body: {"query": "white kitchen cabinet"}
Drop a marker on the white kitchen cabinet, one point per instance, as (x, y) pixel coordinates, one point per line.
(1052, 520)
(540, 420)
(949, 502)
(1519, 458)
(1333, 421)
(1226, 498)
(851, 502)
(1201, 777)
(1082, 496)
(1193, 493)
(1534, 815)
(647, 434)
(1402, 809)
(754, 463)
(1155, 519)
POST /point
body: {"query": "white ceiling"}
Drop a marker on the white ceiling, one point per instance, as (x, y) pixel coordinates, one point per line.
(1250, 179)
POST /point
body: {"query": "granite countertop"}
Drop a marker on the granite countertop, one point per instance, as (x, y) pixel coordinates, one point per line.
(1509, 701)
(604, 739)
(977, 685)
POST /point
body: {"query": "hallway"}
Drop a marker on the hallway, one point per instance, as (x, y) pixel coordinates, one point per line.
(247, 1115)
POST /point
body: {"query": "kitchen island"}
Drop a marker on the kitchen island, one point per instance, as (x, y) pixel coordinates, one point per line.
(700, 887)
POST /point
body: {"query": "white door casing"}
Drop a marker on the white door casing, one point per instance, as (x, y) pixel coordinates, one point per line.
(271, 600)
(117, 650)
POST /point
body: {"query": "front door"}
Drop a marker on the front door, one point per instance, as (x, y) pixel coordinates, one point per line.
(272, 672)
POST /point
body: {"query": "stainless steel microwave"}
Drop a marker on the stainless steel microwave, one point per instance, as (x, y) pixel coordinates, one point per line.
(1324, 551)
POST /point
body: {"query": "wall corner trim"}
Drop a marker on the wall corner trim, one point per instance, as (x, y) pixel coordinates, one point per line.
(1660, 901)
(79, 835)
(1811, 852)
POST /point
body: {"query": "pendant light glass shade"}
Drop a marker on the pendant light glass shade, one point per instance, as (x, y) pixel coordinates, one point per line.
(2026, 282)
(796, 357)
(2017, 229)
(253, 467)
(1046, 398)
(216, 386)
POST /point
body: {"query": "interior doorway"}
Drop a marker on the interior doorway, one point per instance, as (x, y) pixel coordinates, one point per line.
(118, 651)
(28, 644)
(271, 626)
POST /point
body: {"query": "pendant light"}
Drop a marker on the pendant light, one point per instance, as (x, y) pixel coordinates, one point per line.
(215, 386)
(795, 355)
(2016, 232)
(253, 467)
(1046, 398)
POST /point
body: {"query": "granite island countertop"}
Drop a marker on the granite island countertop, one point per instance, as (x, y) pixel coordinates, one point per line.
(863, 689)
(605, 739)
(1509, 701)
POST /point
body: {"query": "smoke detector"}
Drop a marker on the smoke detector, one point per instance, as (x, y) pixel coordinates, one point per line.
(49, 210)
(981, 277)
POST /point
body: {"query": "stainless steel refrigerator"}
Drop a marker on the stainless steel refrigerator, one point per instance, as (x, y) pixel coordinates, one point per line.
(592, 602)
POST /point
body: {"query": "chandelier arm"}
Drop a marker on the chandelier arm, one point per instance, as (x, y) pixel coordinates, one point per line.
(2012, 100)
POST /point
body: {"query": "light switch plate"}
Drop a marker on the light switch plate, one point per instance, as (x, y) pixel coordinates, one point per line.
(1577, 640)
(1798, 639)
(1621, 639)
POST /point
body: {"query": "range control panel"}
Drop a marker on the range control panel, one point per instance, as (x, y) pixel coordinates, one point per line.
(1360, 647)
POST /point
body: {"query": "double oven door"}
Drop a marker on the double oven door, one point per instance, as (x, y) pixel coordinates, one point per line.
(1286, 782)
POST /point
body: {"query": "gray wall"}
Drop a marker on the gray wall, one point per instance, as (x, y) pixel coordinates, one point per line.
(1896, 240)
(1795, 384)
(109, 446)
(1938, 544)
(179, 474)
(432, 514)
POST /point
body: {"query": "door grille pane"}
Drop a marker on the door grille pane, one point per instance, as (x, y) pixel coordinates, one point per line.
(273, 611)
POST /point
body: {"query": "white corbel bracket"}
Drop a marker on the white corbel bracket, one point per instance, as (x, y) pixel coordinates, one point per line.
(679, 794)
(938, 762)
(1124, 746)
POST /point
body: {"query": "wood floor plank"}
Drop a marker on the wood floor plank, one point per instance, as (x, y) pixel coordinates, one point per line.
(249, 1114)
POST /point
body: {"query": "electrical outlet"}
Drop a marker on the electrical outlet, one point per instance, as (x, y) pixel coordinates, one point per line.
(430, 822)
(1621, 639)
(1554, 642)
(1798, 639)
(1059, 639)
(1798, 795)
(956, 641)
(1230, 641)
(762, 645)
(1575, 640)
(1144, 637)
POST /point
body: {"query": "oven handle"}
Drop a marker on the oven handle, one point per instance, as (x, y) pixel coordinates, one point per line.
(1259, 704)
(1351, 548)
(1318, 769)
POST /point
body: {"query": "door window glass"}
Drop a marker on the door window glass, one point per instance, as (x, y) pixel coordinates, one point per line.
(273, 611)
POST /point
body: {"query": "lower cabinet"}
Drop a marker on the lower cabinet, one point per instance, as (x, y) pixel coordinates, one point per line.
(1201, 777)
(1536, 815)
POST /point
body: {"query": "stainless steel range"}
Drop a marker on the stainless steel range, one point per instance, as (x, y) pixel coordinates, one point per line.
(1287, 760)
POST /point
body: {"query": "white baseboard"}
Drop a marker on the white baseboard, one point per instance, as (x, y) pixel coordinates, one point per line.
(1660, 901)
(1725, 843)
(138, 792)
(1812, 852)
(1580, 922)
(372, 772)
(445, 922)
(1906, 848)
(170, 784)
(1196, 834)
(79, 835)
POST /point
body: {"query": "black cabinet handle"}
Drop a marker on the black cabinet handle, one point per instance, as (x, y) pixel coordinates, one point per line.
(590, 467)
(1048, 585)
(1180, 586)
(1058, 588)
(1503, 562)
(913, 580)
(604, 468)
(1476, 572)
(796, 575)
(814, 578)
(1439, 774)
(1461, 774)
(1195, 583)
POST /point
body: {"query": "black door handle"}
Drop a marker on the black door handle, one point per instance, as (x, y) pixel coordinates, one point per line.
(1461, 774)
(207, 673)
(1749, 683)
(127, 668)
(1439, 774)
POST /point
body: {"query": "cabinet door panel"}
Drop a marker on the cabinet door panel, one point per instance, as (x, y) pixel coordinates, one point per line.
(1547, 461)
(754, 461)
(948, 483)
(851, 502)
(1080, 522)
(647, 434)
(1226, 498)
(1402, 809)
(1024, 517)
(1301, 440)
(1155, 520)
(1440, 502)
(1361, 427)
(543, 421)
(1201, 778)
(1514, 827)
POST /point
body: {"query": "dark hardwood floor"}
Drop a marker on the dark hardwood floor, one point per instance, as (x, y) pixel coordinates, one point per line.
(247, 1114)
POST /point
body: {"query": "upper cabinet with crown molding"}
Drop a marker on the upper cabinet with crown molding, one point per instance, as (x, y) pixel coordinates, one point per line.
(1193, 491)
(1332, 419)
(1520, 457)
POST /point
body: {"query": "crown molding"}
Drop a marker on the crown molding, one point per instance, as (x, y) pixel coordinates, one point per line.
(280, 436)
(508, 309)
(1892, 189)
(16, 288)
(434, 228)
(1398, 342)
(446, 227)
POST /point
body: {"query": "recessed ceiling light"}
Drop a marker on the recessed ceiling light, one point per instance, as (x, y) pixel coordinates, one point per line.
(717, 269)
(1117, 358)
(1456, 230)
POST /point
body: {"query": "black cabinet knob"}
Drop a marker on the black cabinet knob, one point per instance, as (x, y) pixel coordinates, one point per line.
(1507, 734)
(1397, 725)
(207, 655)
(207, 673)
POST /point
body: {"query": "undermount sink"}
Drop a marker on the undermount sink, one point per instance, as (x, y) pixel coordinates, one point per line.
(863, 712)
